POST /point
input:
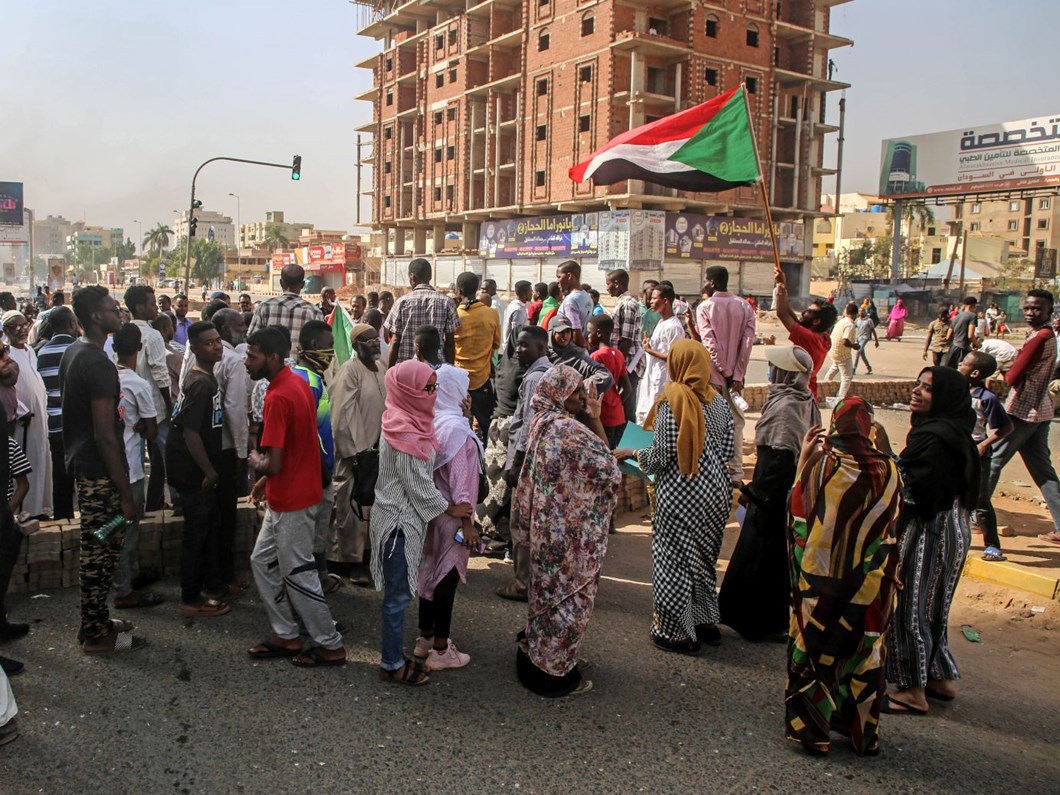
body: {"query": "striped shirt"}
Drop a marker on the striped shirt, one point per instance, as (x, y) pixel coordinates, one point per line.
(48, 358)
(406, 499)
(19, 465)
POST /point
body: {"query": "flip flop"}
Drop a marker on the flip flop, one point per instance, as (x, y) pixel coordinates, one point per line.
(890, 703)
(993, 554)
(937, 695)
(139, 599)
(270, 651)
(312, 658)
(120, 642)
(208, 608)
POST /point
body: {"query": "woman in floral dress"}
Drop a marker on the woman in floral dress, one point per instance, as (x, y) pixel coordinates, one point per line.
(567, 492)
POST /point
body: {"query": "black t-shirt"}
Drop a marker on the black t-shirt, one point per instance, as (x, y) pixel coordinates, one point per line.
(960, 328)
(509, 375)
(200, 409)
(86, 374)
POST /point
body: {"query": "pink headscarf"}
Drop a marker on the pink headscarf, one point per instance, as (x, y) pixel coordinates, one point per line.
(408, 421)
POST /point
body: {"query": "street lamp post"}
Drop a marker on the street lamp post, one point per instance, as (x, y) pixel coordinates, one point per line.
(140, 251)
(238, 224)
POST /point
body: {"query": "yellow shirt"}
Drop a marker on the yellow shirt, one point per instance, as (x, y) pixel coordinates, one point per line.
(478, 336)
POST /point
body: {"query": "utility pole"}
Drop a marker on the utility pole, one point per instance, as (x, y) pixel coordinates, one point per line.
(29, 213)
(896, 241)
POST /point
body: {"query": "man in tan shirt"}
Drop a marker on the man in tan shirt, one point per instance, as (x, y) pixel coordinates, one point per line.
(477, 337)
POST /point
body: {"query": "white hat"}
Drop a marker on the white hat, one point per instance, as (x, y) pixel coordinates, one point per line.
(785, 358)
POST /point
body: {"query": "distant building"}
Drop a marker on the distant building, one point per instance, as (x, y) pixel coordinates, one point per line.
(213, 223)
(95, 236)
(253, 234)
(1027, 224)
(50, 234)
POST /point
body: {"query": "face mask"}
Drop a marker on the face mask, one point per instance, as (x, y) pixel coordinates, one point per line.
(321, 359)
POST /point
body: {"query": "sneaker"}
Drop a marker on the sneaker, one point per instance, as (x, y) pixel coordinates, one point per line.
(450, 658)
(423, 647)
(330, 583)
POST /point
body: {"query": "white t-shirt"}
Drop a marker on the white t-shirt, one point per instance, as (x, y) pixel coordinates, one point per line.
(137, 403)
(656, 374)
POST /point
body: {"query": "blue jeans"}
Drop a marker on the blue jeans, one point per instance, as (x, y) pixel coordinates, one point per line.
(859, 355)
(1031, 441)
(396, 598)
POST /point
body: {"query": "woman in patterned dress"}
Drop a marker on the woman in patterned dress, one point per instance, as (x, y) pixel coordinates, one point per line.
(566, 495)
(940, 467)
(844, 555)
(693, 439)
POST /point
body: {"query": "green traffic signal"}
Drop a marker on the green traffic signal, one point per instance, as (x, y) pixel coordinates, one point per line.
(296, 168)
(196, 204)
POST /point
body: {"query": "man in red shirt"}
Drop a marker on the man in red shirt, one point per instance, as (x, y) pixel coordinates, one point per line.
(289, 462)
(612, 411)
(810, 330)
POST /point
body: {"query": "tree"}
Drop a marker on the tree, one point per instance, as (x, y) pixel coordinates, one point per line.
(208, 256)
(158, 239)
(275, 238)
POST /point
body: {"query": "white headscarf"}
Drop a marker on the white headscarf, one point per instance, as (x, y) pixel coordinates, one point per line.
(451, 428)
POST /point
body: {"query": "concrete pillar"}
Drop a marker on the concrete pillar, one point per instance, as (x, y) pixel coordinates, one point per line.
(419, 240)
(469, 232)
(438, 238)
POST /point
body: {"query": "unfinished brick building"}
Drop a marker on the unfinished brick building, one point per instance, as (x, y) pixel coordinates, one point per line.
(480, 108)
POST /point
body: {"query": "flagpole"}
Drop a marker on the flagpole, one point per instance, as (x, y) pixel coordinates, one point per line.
(762, 185)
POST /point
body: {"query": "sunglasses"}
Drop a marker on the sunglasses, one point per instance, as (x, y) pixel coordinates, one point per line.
(430, 389)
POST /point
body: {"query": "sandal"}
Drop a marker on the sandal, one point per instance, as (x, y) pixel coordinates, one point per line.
(513, 592)
(267, 650)
(231, 591)
(411, 673)
(208, 608)
(689, 647)
(139, 599)
(892, 706)
(313, 658)
(709, 634)
(584, 686)
(113, 642)
(1052, 538)
(9, 732)
(993, 554)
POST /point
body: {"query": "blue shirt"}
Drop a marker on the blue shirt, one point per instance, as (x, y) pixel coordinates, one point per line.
(320, 395)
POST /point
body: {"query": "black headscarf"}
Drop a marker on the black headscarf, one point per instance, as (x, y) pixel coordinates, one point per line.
(940, 460)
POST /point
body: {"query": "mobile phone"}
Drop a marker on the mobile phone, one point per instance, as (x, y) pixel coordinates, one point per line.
(459, 536)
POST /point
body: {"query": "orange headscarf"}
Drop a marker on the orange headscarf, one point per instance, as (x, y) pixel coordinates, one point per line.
(688, 389)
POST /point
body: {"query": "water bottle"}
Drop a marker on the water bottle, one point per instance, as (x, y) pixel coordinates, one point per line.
(106, 533)
(740, 403)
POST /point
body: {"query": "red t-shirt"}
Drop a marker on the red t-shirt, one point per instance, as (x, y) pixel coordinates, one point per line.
(290, 424)
(815, 343)
(611, 411)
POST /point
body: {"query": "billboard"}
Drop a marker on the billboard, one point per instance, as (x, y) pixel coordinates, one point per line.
(545, 236)
(1013, 155)
(11, 203)
(717, 237)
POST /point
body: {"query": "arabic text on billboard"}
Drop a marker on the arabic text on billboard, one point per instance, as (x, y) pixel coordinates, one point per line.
(715, 237)
(1013, 155)
(546, 236)
(11, 203)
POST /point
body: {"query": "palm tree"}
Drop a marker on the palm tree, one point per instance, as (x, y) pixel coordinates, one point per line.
(158, 238)
(275, 238)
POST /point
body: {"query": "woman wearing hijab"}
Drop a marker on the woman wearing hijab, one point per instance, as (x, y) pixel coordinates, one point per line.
(406, 499)
(563, 502)
(940, 467)
(457, 465)
(844, 555)
(31, 432)
(756, 592)
(896, 321)
(693, 441)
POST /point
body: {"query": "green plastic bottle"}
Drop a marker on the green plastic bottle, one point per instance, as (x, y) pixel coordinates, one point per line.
(106, 533)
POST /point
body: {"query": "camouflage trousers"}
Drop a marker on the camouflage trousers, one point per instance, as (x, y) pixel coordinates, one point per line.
(493, 512)
(99, 502)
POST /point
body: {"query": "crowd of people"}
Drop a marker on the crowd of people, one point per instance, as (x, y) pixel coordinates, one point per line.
(470, 423)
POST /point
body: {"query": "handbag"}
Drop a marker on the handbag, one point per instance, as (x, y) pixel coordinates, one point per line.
(365, 473)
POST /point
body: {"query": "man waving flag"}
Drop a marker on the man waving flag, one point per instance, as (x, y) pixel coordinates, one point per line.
(710, 147)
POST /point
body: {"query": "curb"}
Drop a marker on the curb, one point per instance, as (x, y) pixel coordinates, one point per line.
(1012, 575)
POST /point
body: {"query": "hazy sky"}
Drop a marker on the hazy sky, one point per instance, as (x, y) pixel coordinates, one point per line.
(109, 106)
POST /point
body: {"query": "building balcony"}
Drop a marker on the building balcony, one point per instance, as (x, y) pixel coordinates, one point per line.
(369, 127)
(510, 82)
(650, 44)
(788, 78)
(368, 95)
(793, 33)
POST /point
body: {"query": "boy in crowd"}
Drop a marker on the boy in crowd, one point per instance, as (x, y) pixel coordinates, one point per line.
(193, 460)
(612, 412)
(141, 425)
(990, 416)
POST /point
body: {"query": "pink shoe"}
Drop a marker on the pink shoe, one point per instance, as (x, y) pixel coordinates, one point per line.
(450, 658)
(423, 647)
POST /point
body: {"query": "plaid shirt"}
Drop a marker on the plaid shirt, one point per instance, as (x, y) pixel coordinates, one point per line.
(288, 310)
(424, 306)
(628, 327)
(1029, 399)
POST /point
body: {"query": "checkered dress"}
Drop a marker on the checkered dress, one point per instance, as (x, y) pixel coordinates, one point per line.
(689, 522)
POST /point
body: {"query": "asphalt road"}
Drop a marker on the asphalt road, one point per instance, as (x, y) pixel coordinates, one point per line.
(191, 713)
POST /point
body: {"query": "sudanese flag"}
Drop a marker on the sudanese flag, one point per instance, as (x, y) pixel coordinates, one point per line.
(710, 147)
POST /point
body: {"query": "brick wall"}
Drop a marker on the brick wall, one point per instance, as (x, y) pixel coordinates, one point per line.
(878, 393)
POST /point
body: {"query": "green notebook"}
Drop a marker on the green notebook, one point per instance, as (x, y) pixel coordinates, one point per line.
(635, 438)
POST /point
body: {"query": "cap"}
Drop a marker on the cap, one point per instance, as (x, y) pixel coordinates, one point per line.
(784, 358)
(559, 323)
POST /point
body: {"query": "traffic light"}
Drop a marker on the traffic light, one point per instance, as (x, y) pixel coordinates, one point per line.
(296, 168)
(192, 223)
(196, 204)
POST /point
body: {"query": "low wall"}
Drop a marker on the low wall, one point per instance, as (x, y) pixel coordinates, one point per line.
(878, 393)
